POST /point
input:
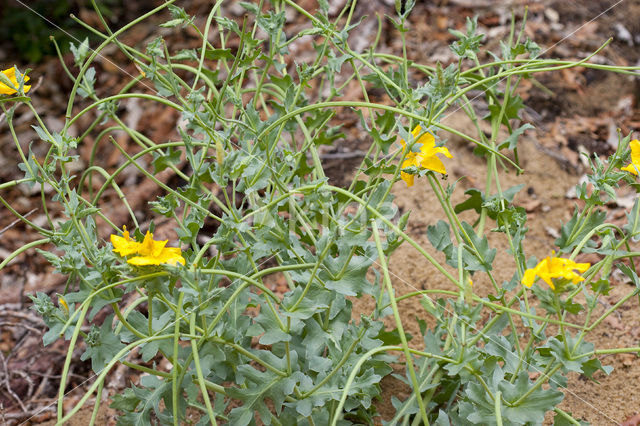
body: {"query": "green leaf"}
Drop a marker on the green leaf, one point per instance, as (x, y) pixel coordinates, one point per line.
(30, 169)
(180, 17)
(324, 6)
(530, 410)
(511, 111)
(104, 347)
(316, 300)
(512, 141)
(591, 366)
(162, 160)
(353, 280)
(630, 273)
(572, 232)
(171, 23)
(601, 286)
(439, 235)
(269, 323)
(250, 7)
(475, 200)
(86, 89)
(125, 401)
(494, 203)
(483, 259)
(80, 52)
(633, 221)
(467, 45)
(577, 360)
(217, 54)
(228, 24)
(392, 337)
(503, 350)
(139, 403)
(259, 386)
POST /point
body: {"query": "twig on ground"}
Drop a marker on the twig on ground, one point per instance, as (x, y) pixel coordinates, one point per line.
(8, 385)
(12, 224)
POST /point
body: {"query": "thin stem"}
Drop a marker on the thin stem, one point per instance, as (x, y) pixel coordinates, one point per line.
(398, 320)
(196, 360)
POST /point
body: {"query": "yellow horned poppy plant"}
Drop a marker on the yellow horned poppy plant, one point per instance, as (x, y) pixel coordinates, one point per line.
(11, 74)
(426, 157)
(635, 158)
(149, 251)
(555, 267)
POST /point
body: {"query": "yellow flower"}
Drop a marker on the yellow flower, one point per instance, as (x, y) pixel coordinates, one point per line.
(555, 267)
(124, 245)
(634, 166)
(426, 158)
(154, 252)
(11, 74)
(149, 251)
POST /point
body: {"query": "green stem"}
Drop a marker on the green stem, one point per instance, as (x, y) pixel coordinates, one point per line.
(176, 360)
(497, 407)
(566, 416)
(96, 406)
(96, 52)
(147, 370)
(22, 249)
(105, 371)
(363, 359)
(196, 360)
(356, 104)
(398, 320)
(67, 362)
(612, 309)
(337, 368)
(541, 380)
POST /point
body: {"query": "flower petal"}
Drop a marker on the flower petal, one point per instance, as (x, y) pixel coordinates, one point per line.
(169, 255)
(634, 166)
(416, 131)
(409, 160)
(529, 277)
(407, 178)
(151, 247)
(635, 151)
(442, 150)
(428, 143)
(144, 261)
(11, 74)
(124, 246)
(550, 268)
(630, 168)
(544, 270)
(581, 267)
(433, 163)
